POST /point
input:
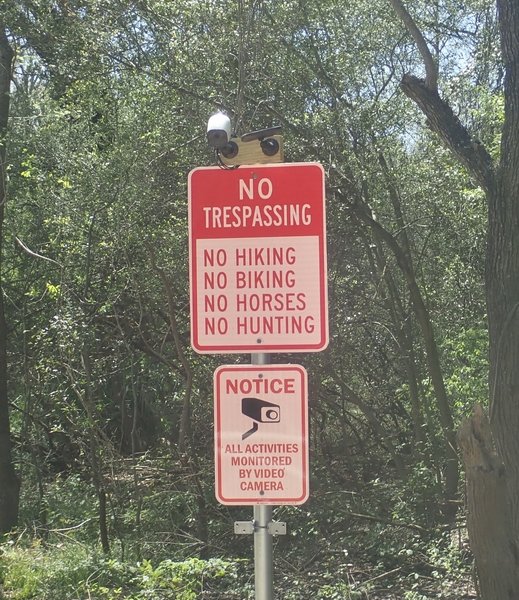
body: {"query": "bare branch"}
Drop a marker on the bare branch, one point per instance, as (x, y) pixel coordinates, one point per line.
(440, 116)
(172, 309)
(442, 120)
(30, 252)
(431, 67)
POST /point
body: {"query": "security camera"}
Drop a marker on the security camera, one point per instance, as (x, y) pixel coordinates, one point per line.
(268, 145)
(260, 410)
(218, 130)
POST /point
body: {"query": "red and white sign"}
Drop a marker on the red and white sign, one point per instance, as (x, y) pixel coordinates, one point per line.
(261, 434)
(258, 259)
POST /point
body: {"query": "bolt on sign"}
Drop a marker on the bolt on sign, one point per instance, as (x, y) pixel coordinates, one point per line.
(258, 259)
(261, 434)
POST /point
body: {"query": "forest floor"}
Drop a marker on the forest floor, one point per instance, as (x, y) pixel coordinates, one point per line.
(26, 575)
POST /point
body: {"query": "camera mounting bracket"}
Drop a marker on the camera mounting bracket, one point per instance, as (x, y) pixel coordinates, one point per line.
(249, 527)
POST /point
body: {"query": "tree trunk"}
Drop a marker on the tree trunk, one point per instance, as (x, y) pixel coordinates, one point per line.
(95, 449)
(488, 511)
(9, 483)
(492, 473)
(503, 270)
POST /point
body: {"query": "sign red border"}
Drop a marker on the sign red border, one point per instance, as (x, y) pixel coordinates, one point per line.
(221, 402)
(210, 187)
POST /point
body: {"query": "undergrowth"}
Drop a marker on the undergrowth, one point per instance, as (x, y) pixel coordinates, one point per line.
(72, 572)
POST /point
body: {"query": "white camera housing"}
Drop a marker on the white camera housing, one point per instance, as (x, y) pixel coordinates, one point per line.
(218, 130)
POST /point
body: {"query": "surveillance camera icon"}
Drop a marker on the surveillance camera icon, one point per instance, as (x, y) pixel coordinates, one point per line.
(260, 411)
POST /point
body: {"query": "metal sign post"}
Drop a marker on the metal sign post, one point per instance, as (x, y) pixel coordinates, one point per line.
(257, 256)
(263, 563)
(261, 449)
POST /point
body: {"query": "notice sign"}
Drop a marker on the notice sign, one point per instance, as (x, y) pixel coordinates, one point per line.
(258, 259)
(261, 434)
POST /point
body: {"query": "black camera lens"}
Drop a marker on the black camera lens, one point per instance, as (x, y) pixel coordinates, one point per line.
(272, 415)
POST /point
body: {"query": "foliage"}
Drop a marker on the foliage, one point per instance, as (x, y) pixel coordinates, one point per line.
(68, 572)
(109, 103)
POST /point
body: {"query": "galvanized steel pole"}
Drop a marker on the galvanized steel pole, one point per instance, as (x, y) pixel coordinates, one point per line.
(263, 563)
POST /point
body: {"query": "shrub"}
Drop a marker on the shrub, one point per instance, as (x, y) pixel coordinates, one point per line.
(71, 572)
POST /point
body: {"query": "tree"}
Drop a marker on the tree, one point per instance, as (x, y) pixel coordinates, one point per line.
(490, 448)
(9, 483)
(100, 148)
